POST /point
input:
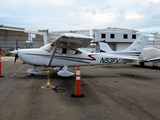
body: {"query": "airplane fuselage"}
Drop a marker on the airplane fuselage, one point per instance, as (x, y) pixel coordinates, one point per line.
(40, 57)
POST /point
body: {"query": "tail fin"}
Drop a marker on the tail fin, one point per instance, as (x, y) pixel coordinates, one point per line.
(104, 47)
(134, 49)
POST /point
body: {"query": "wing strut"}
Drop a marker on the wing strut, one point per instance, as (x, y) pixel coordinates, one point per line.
(53, 52)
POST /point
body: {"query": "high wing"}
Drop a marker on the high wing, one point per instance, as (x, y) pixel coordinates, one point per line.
(71, 41)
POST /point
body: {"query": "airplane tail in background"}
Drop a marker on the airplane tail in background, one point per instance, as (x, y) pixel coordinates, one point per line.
(104, 47)
(134, 49)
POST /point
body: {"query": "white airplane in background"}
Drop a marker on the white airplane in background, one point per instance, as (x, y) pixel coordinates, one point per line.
(66, 51)
(149, 54)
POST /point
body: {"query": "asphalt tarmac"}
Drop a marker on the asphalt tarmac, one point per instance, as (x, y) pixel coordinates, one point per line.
(112, 92)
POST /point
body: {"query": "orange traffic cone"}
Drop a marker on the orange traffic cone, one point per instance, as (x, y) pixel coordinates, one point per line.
(78, 84)
(0, 66)
(0, 63)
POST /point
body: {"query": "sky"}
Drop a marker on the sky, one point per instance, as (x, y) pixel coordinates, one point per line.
(59, 15)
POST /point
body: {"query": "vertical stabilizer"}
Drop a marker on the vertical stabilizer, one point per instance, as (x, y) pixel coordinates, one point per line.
(134, 49)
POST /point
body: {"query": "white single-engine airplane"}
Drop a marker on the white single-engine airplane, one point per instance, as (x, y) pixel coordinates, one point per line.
(66, 51)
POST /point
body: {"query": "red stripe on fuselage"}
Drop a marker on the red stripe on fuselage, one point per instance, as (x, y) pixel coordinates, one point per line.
(91, 57)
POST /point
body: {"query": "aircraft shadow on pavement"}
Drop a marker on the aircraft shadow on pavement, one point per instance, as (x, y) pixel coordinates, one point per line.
(148, 67)
(137, 77)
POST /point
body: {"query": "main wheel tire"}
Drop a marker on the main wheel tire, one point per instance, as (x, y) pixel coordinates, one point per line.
(141, 64)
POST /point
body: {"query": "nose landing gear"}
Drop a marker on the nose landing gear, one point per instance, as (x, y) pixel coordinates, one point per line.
(33, 71)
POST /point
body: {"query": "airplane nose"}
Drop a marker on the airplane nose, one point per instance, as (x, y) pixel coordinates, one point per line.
(14, 52)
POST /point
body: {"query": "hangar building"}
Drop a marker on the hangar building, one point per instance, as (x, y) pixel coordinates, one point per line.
(120, 38)
(25, 38)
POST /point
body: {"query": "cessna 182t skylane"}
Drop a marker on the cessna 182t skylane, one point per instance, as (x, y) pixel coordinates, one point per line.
(66, 51)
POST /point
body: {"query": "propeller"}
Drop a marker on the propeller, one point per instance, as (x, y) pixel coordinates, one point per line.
(16, 55)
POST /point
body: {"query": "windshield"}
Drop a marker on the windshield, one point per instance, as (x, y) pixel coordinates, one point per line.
(46, 47)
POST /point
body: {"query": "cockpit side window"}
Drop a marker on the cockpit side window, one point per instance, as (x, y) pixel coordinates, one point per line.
(74, 51)
(68, 51)
(48, 48)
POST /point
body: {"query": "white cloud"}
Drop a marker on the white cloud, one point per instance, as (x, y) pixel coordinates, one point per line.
(5, 15)
(154, 1)
(62, 2)
(133, 15)
(99, 17)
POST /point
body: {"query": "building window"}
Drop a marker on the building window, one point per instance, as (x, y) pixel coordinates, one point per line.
(31, 36)
(134, 36)
(103, 35)
(112, 36)
(125, 36)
